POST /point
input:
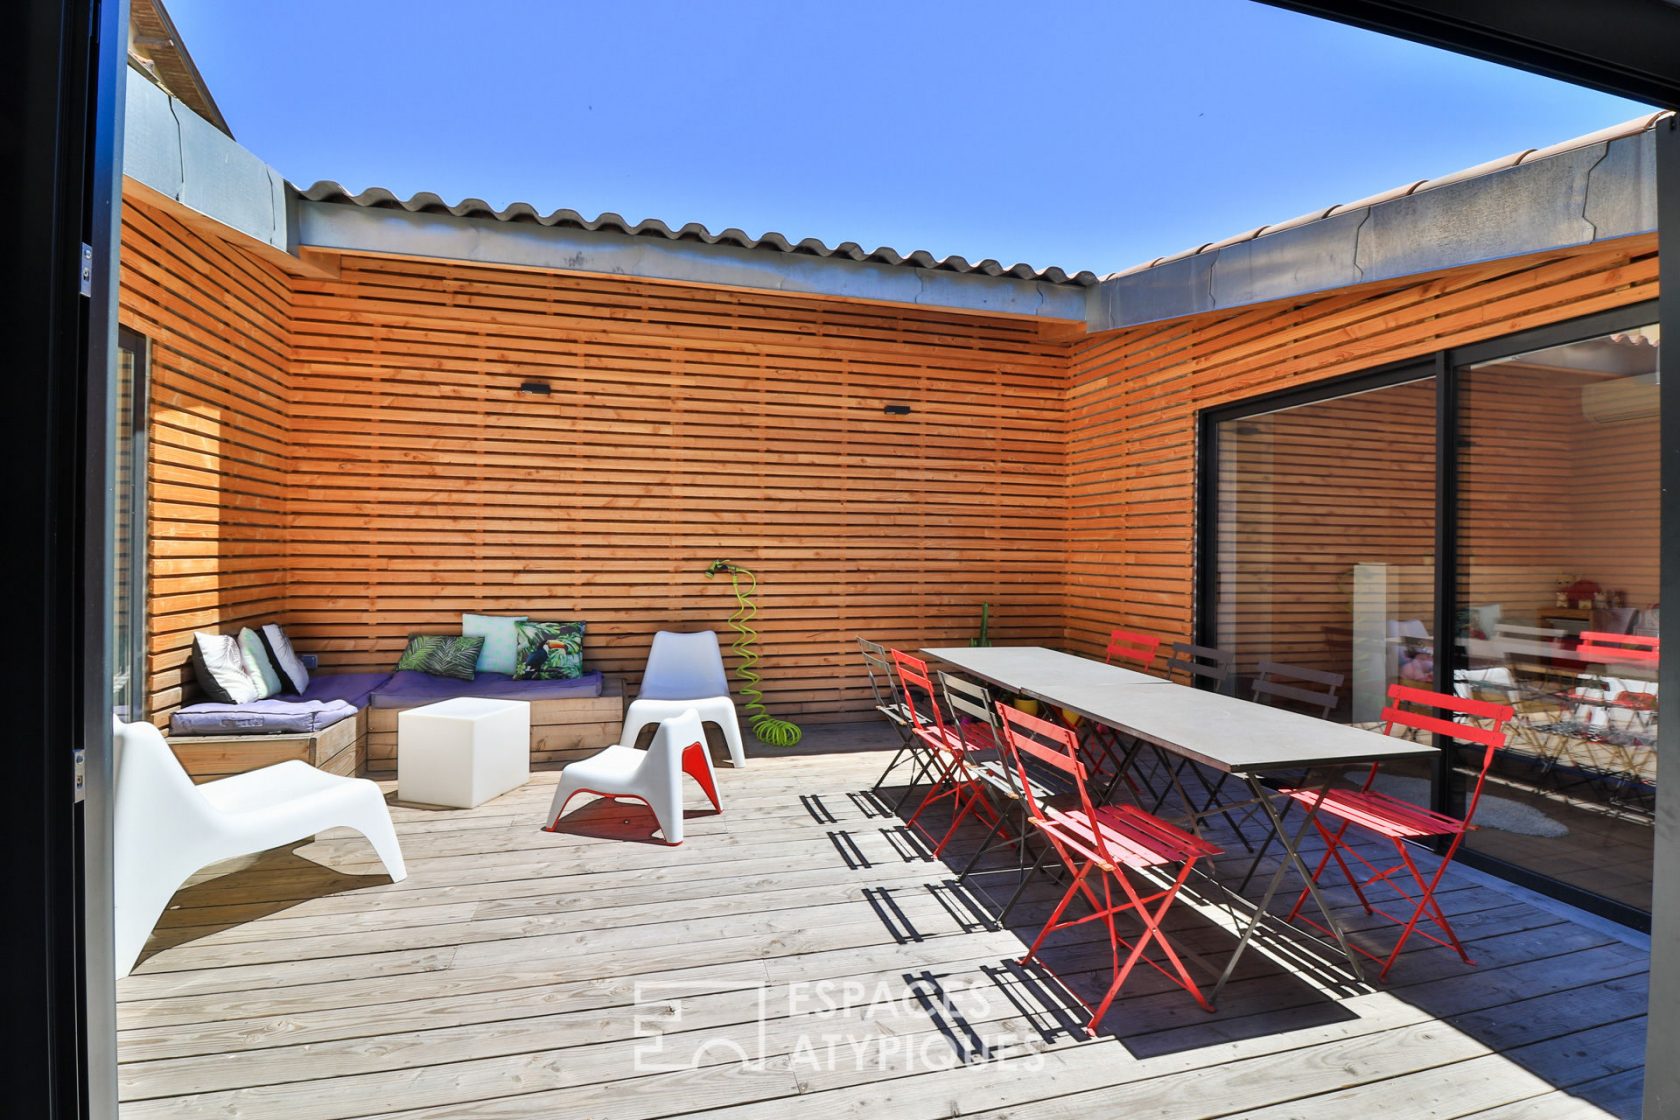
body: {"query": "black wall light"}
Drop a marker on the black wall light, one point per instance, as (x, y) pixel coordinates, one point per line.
(896, 409)
(535, 388)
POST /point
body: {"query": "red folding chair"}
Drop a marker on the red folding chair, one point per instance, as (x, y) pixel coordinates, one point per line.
(1618, 713)
(1104, 845)
(948, 753)
(1611, 648)
(1634, 651)
(1129, 645)
(1400, 821)
(1138, 651)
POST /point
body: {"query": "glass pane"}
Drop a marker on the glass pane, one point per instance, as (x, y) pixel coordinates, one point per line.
(127, 520)
(1558, 521)
(1326, 544)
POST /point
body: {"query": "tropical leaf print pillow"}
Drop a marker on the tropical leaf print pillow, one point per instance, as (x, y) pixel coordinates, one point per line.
(549, 651)
(442, 655)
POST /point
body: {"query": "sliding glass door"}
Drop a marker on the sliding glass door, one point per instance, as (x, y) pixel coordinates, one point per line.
(1325, 523)
(1482, 522)
(1558, 557)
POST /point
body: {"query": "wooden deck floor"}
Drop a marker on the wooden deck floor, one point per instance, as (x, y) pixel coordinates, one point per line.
(802, 945)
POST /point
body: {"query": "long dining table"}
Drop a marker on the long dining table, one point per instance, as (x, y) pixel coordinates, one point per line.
(1238, 738)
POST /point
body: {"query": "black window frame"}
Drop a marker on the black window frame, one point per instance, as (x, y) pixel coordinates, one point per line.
(1446, 367)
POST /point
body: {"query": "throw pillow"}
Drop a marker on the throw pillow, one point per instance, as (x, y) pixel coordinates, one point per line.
(501, 640)
(442, 655)
(294, 675)
(549, 651)
(220, 668)
(257, 664)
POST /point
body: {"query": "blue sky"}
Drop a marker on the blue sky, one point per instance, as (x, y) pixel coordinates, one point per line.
(1087, 135)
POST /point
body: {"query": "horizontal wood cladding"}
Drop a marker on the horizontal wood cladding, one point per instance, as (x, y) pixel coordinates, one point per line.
(1135, 394)
(351, 453)
(681, 425)
(216, 322)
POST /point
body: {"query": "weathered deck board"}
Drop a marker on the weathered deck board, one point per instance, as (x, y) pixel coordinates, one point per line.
(502, 980)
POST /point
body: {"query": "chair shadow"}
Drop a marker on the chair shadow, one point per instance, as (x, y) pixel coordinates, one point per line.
(625, 820)
(1150, 1016)
(193, 913)
(1279, 984)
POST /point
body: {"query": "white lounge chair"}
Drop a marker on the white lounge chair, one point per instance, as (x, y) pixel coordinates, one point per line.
(685, 671)
(653, 776)
(166, 828)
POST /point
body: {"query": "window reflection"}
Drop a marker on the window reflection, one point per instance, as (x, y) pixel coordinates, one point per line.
(128, 511)
(1557, 584)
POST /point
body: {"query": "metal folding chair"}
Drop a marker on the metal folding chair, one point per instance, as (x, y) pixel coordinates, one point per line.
(1105, 747)
(975, 712)
(1315, 692)
(1636, 700)
(1136, 649)
(1616, 715)
(1536, 695)
(1636, 649)
(1191, 664)
(1468, 721)
(1312, 691)
(947, 751)
(883, 683)
(1104, 848)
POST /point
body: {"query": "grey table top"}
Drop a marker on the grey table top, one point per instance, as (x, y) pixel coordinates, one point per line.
(1235, 736)
(1026, 669)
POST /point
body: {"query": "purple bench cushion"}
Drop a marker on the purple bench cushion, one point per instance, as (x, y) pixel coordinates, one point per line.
(408, 689)
(352, 688)
(259, 717)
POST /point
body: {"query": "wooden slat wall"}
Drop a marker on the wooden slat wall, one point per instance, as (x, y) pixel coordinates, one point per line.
(216, 319)
(353, 456)
(685, 424)
(1135, 394)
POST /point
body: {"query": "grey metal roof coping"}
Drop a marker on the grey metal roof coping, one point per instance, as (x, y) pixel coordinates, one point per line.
(1593, 188)
(1628, 128)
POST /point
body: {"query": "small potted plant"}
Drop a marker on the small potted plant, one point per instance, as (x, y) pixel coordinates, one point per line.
(1021, 703)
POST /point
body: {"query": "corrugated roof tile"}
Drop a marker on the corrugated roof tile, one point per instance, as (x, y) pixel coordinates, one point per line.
(426, 202)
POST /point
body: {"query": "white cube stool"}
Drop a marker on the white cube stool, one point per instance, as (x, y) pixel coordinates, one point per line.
(463, 752)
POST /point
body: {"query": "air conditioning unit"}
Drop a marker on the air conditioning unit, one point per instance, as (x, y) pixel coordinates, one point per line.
(1621, 399)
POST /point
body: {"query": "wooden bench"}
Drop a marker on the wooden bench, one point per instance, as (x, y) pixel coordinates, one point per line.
(339, 749)
(561, 730)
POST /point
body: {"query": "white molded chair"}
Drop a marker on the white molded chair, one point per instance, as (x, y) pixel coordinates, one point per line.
(653, 776)
(166, 828)
(685, 671)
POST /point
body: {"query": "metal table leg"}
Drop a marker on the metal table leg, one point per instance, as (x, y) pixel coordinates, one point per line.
(1292, 848)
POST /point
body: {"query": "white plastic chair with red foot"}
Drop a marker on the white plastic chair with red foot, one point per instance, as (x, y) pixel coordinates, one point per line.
(653, 776)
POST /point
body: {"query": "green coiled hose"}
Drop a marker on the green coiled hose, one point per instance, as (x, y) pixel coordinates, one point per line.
(769, 730)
